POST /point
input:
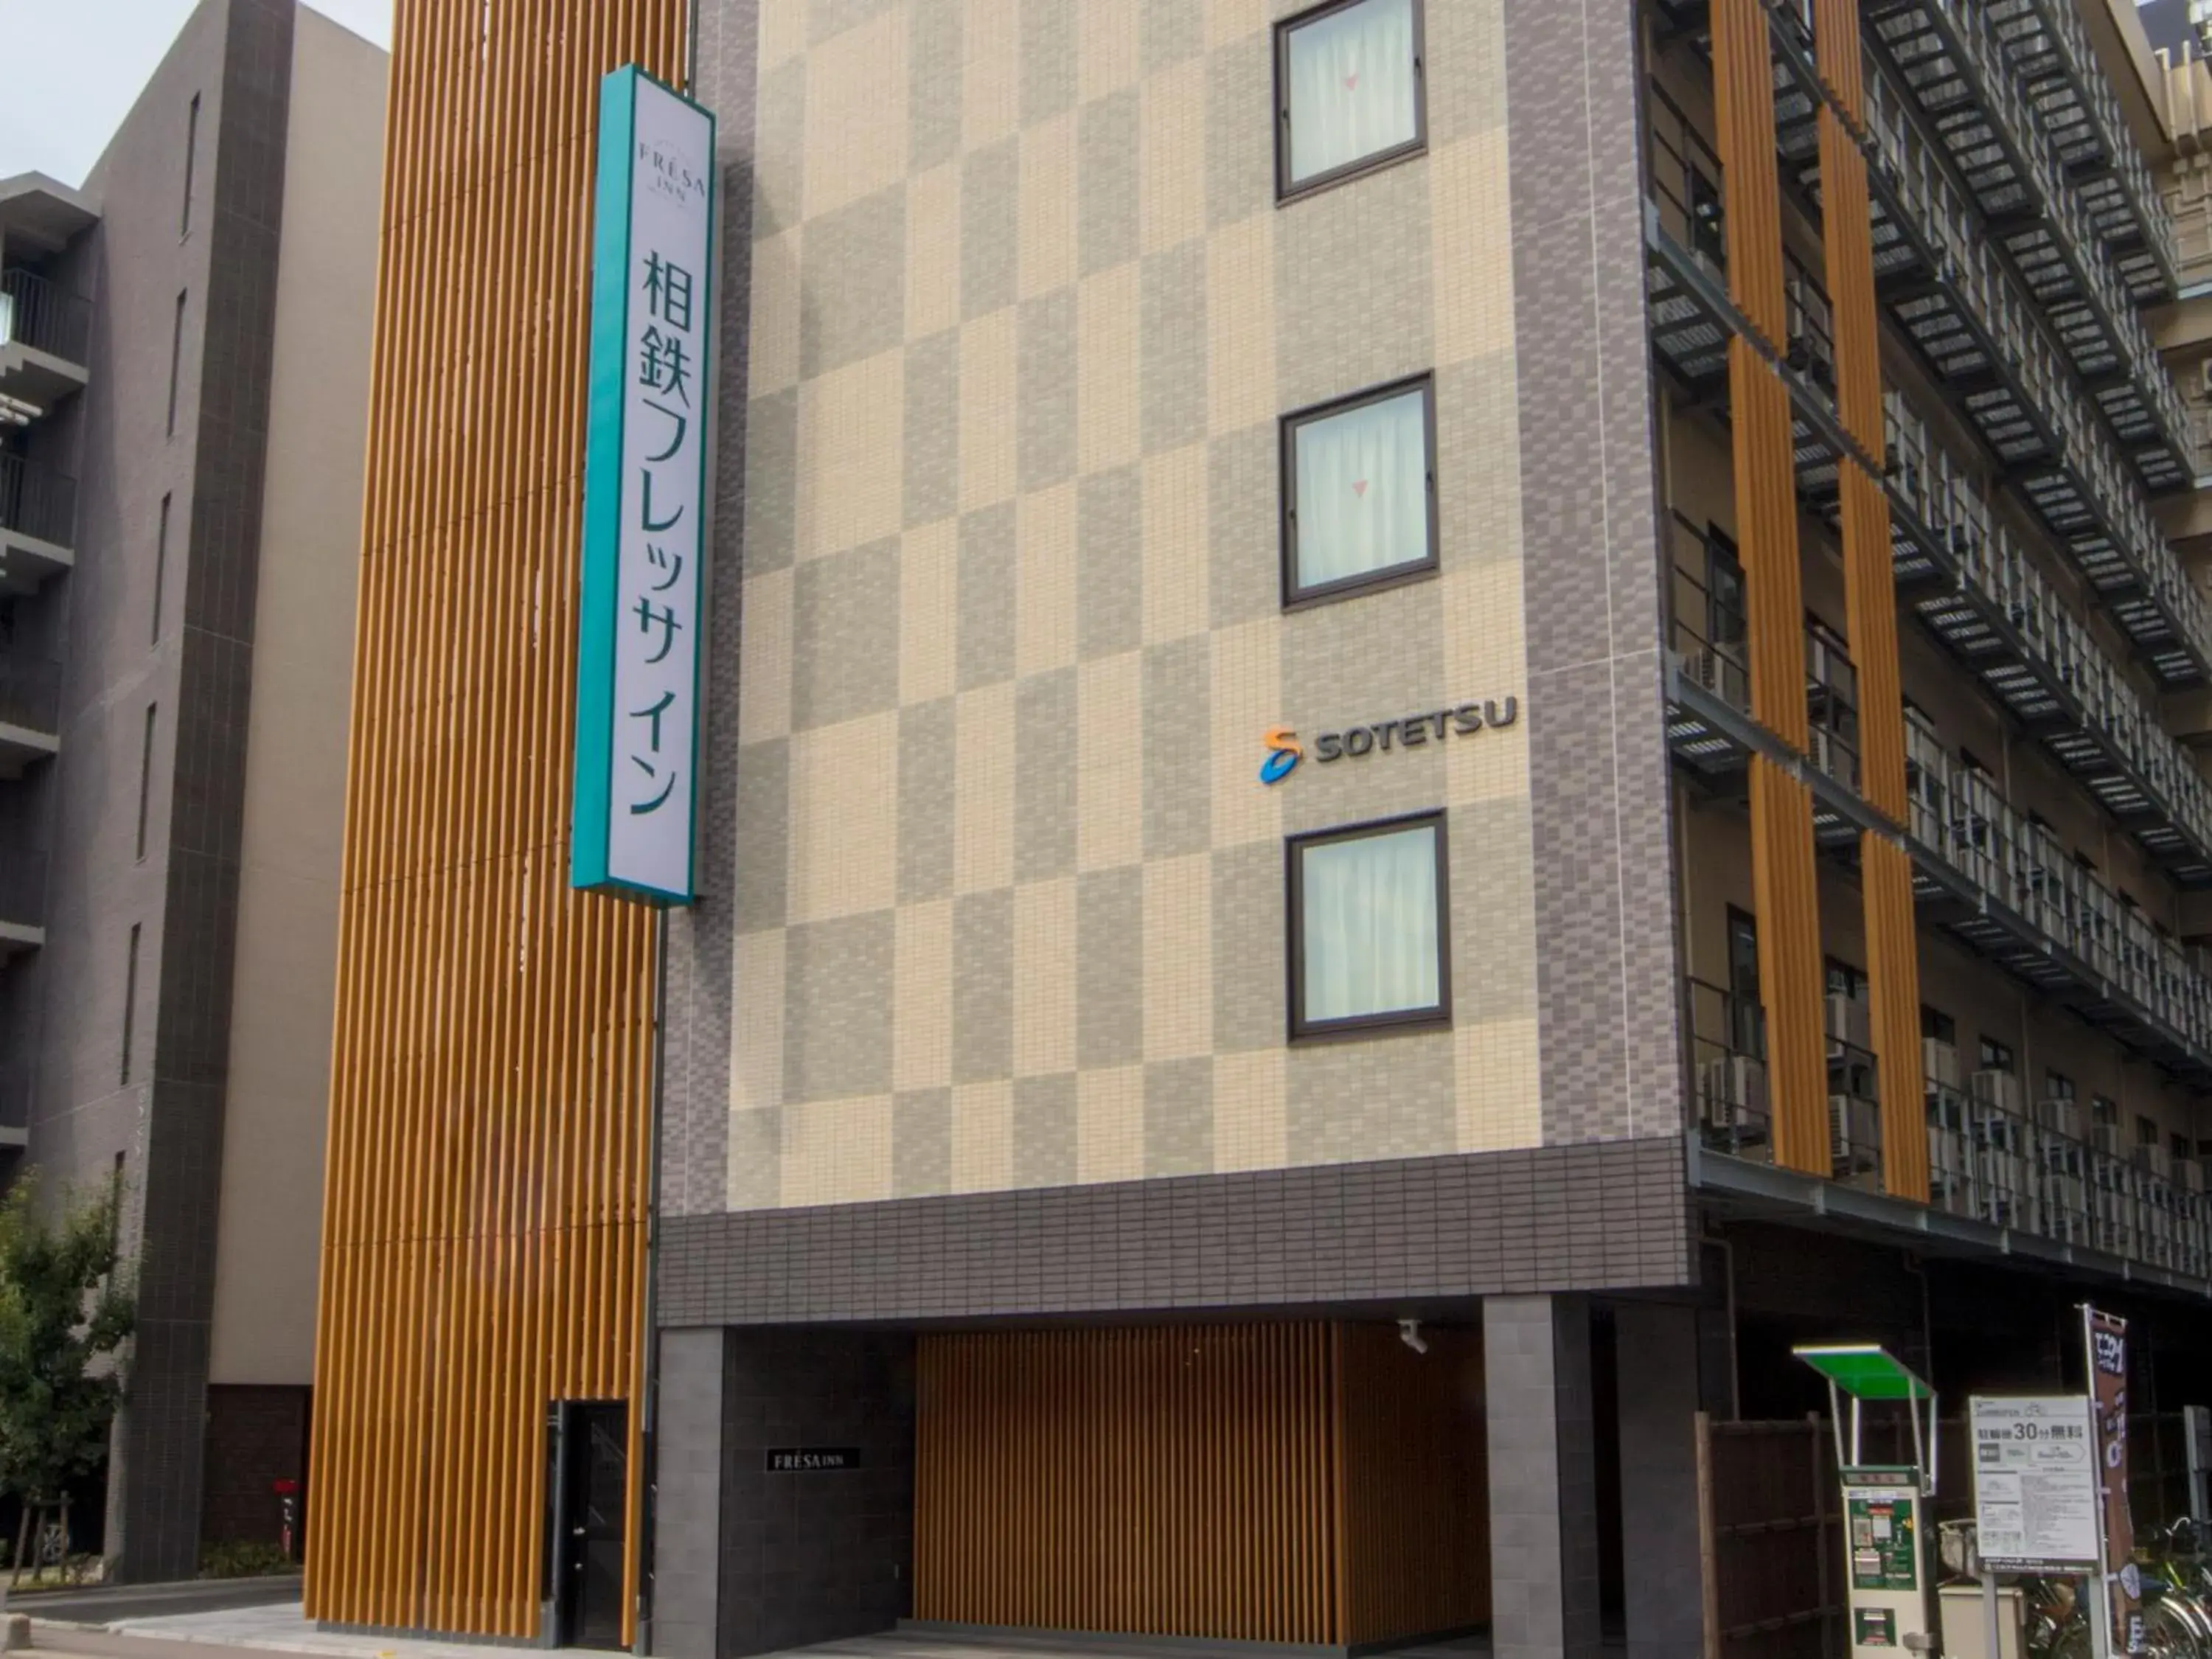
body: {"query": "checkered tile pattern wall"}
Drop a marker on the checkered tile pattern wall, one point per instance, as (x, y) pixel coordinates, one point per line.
(1007, 894)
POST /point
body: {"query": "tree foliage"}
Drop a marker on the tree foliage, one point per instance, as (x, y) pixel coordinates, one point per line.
(66, 1308)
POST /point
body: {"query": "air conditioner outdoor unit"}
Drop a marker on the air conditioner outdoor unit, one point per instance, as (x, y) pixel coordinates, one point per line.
(2104, 1138)
(1854, 1130)
(1849, 1021)
(1822, 751)
(1734, 1091)
(1702, 669)
(1995, 1088)
(2060, 1116)
(1939, 1063)
(2189, 1172)
(2156, 1159)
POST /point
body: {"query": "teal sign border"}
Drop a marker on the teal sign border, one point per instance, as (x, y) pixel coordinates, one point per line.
(591, 808)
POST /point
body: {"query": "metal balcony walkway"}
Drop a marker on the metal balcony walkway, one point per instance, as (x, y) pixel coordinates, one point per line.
(2056, 64)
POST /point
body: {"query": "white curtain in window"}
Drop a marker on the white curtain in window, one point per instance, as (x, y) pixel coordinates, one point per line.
(1363, 500)
(1371, 924)
(1351, 86)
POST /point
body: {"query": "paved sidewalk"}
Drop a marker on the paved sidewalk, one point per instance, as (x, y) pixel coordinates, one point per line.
(220, 1635)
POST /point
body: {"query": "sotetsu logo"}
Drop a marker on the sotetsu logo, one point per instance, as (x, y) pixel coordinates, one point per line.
(670, 174)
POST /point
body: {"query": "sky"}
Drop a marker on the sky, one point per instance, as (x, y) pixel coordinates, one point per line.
(75, 67)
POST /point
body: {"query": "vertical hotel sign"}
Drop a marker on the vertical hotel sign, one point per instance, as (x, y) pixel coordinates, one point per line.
(2107, 1340)
(645, 469)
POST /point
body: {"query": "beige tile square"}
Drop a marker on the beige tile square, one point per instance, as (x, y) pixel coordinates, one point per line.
(929, 608)
(1251, 1118)
(756, 1029)
(1047, 206)
(1109, 777)
(1485, 648)
(983, 789)
(932, 250)
(1107, 352)
(1231, 21)
(1240, 321)
(764, 660)
(991, 81)
(921, 996)
(852, 453)
(1499, 1085)
(837, 1152)
(782, 31)
(1110, 1124)
(856, 115)
(1172, 155)
(1044, 581)
(773, 348)
(986, 410)
(1179, 958)
(1044, 977)
(983, 1136)
(844, 819)
(1176, 535)
(1247, 705)
(1470, 200)
(1108, 49)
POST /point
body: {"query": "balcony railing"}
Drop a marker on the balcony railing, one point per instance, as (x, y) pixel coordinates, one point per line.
(1988, 1161)
(2044, 916)
(36, 313)
(2038, 1173)
(30, 695)
(1729, 1084)
(1952, 54)
(2055, 59)
(2006, 624)
(37, 500)
(1976, 332)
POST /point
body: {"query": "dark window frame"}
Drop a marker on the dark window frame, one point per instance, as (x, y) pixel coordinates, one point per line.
(176, 358)
(1285, 190)
(1298, 597)
(1437, 1018)
(192, 162)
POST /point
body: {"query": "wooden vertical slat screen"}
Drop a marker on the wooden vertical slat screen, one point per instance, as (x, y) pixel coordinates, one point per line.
(1267, 1483)
(487, 1184)
(1782, 876)
(1870, 606)
(1415, 1499)
(1153, 1482)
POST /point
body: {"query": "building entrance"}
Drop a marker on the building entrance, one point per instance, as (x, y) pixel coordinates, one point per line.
(588, 1480)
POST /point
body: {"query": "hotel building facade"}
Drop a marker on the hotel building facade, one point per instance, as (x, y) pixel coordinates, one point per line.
(1423, 722)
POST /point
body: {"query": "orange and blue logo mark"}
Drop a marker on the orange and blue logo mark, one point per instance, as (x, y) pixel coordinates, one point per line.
(1284, 751)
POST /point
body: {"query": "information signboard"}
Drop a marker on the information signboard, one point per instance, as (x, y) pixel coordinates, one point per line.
(2035, 1484)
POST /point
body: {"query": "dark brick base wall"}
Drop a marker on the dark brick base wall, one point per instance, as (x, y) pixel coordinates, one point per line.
(255, 1436)
(814, 1557)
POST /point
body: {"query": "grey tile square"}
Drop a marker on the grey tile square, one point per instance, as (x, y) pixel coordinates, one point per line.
(845, 635)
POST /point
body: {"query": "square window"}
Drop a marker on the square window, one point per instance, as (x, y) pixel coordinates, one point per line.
(1359, 492)
(1367, 944)
(1348, 91)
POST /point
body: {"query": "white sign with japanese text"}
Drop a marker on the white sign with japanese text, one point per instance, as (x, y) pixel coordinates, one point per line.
(2035, 1483)
(645, 494)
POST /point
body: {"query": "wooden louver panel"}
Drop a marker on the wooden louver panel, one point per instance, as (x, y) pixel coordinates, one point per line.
(1153, 1482)
(1300, 1483)
(1783, 875)
(1870, 605)
(487, 1182)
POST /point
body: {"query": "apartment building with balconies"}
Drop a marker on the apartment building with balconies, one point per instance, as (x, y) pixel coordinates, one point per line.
(184, 356)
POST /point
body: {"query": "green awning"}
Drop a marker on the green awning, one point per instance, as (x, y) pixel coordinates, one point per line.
(1865, 1373)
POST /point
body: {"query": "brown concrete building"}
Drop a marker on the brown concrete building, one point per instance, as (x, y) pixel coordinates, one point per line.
(1425, 725)
(184, 372)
